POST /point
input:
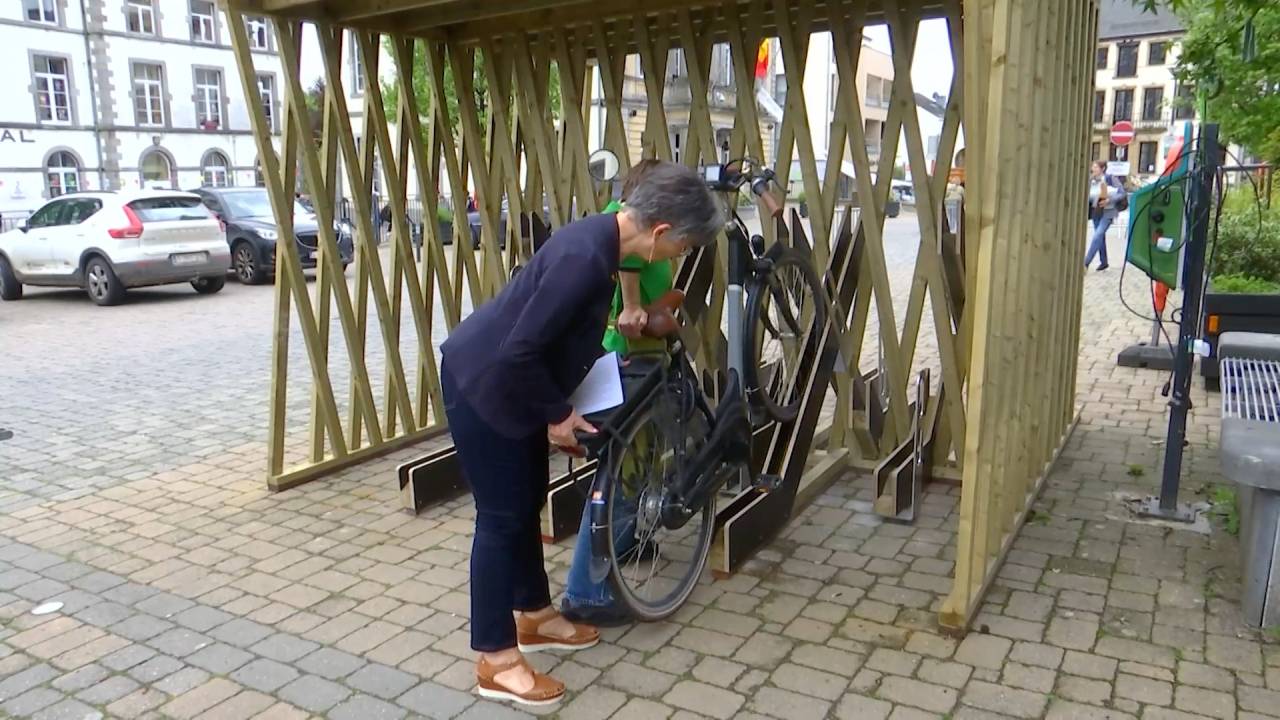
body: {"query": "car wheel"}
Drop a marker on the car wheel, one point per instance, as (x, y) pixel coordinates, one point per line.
(244, 261)
(10, 288)
(101, 283)
(208, 285)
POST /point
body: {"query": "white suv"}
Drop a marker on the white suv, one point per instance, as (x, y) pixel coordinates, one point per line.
(106, 242)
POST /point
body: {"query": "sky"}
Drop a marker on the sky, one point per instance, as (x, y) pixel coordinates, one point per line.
(930, 72)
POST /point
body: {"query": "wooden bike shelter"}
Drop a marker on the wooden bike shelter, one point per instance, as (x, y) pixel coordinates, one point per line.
(997, 292)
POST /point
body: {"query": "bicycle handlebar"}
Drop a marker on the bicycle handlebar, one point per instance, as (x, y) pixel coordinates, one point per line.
(731, 176)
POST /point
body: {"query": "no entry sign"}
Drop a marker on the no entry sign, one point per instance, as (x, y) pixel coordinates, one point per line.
(1122, 133)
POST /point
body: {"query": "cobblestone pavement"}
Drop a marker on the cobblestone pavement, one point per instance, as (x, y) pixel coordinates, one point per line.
(189, 591)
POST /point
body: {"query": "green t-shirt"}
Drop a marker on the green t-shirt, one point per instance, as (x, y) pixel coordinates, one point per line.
(655, 279)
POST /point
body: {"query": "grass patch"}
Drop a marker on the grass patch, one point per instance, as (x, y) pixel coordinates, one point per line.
(1137, 471)
(1037, 517)
(1225, 508)
(1273, 633)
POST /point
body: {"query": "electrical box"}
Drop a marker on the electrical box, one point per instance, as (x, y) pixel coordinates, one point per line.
(1155, 230)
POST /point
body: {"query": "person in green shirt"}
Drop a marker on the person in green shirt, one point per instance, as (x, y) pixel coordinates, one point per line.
(640, 283)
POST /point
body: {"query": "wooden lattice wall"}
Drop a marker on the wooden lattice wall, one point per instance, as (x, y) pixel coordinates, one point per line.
(1002, 312)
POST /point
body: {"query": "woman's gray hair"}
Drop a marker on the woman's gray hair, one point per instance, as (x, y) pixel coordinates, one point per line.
(676, 195)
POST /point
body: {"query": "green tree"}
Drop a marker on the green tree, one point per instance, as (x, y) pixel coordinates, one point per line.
(479, 82)
(1230, 54)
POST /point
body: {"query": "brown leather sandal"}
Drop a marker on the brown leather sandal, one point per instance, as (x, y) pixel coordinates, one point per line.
(545, 691)
(530, 640)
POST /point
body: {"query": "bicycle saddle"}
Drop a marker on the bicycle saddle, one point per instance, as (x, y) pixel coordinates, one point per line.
(662, 319)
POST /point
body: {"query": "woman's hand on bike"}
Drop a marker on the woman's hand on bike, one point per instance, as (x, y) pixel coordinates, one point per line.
(632, 321)
(562, 434)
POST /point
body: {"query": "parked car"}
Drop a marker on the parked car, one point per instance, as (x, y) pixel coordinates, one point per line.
(106, 242)
(251, 231)
(904, 191)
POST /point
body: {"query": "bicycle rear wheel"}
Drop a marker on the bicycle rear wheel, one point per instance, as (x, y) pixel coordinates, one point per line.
(653, 568)
(786, 314)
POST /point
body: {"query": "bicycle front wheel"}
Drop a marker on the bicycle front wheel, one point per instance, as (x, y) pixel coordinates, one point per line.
(653, 567)
(786, 315)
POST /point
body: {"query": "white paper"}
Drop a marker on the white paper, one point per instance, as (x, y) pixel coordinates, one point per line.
(601, 389)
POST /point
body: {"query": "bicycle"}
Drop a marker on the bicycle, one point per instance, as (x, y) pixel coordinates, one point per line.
(664, 455)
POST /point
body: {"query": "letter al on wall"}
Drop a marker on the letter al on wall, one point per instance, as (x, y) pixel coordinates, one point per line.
(6, 135)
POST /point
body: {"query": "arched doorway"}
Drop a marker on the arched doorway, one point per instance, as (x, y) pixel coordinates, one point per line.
(157, 169)
(62, 174)
(215, 169)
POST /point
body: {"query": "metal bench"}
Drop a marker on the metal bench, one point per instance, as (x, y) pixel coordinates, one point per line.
(1250, 456)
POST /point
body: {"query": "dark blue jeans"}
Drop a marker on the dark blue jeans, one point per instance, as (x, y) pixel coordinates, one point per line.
(508, 479)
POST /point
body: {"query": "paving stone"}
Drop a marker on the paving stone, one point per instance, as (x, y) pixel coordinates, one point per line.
(923, 643)
(180, 682)
(31, 701)
(363, 707)
(996, 698)
(68, 710)
(140, 627)
(641, 709)
(934, 698)
(283, 647)
(1135, 650)
(1259, 700)
(127, 657)
(241, 633)
(707, 641)
(201, 618)
(827, 658)
(1147, 671)
(1205, 702)
(380, 680)
(809, 681)
(198, 699)
(154, 669)
(265, 675)
(715, 671)
(1072, 634)
(1093, 692)
(435, 701)
(108, 691)
(763, 650)
(951, 674)
(313, 693)
(245, 705)
(330, 663)
(19, 683)
(641, 681)
(1038, 654)
(80, 678)
(219, 658)
(1028, 677)
(778, 703)
(1233, 654)
(985, 651)
(179, 642)
(1064, 710)
(595, 703)
(1091, 666)
(860, 707)
(704, 699)
(1144, 690)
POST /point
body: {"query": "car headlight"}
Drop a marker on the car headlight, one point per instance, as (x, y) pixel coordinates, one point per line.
(266, 234)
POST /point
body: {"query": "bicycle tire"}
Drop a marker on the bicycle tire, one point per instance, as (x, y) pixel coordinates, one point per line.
(780, 407)
(623, 586)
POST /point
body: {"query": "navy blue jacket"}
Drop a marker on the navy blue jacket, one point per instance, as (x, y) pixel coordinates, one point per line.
(518, 357)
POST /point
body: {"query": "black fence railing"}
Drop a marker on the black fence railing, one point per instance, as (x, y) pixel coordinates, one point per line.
(12, 221)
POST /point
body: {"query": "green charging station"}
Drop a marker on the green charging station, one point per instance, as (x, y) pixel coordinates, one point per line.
(1155, 222)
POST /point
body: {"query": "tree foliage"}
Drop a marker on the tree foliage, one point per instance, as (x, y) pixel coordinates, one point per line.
(422, 90)
(1240, 77)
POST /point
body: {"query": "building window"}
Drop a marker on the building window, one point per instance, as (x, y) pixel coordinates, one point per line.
(676, 65)
(1119, 153)
(1123, 109)
(1097, 148)
(1147, 157)
(208, 98)
(1152, 101)
(1156, 50)
(157, 170)
(1102, 58)
(41, 11)
(140, 17)
(1127, 60)
(52, 83)
(148, 94)
(1099, 104)
(875, 91)
(267, 93)
(203, 27)
(259, 37)
(62, 174)
(357, 67)
(258, 179)
(1184, 107)
(216, 169)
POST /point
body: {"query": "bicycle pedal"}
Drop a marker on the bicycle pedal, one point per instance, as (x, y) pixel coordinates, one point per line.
(766, 483)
